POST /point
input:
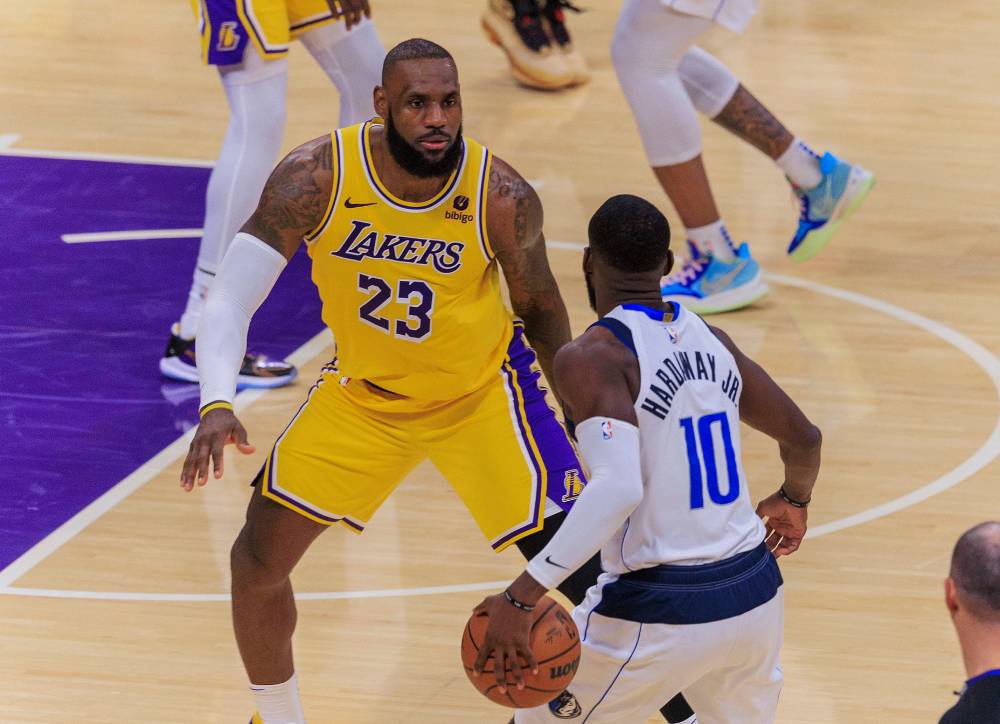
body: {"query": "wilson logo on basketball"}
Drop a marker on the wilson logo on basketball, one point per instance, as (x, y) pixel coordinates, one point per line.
(557, 672)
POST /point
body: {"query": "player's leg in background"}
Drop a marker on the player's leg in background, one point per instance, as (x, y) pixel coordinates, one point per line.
(648, 48)
(272, 541)
(255, 91)
(828, 188)
(677, 710)
(353, 61)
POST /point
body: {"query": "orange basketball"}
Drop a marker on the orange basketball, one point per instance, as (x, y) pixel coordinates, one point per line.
(555, 642)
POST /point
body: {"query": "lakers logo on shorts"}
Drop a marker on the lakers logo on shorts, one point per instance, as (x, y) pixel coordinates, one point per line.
(228, 37)
(573, 485)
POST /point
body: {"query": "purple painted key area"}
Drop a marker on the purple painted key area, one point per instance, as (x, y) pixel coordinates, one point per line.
(83, 326)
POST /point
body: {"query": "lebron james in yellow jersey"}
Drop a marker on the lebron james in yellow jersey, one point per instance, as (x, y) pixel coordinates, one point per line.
(408, 225)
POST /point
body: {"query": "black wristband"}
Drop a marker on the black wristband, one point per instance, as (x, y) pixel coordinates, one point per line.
(792, 501)
(517, 604)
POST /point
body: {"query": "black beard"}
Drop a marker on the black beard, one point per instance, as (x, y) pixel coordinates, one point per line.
(413, 161)
(591, 294)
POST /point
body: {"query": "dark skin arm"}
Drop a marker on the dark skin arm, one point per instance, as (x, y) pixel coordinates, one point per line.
(600, 378)
(514, 224)
(764, 406)
(292, 204)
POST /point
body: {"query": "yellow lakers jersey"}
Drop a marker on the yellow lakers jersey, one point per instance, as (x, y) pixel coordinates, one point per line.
(410, 290)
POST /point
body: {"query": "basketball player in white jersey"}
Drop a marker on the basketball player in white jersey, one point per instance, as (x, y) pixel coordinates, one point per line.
(668, 80)
(248, 41)
(691, 599)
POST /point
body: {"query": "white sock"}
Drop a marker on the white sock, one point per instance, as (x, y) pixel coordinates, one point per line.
(693, 719)
(196, 301)
(279, 703)
(353, 61)
(801, 164)
(713, 239)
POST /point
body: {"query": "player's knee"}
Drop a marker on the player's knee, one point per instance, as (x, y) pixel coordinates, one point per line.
(623, 53)
(252, 567)
(707, 81)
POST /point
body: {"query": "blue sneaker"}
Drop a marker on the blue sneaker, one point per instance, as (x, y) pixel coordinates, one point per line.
(822, 209)
(706, 285)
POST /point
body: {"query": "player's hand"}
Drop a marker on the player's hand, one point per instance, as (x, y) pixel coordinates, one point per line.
(507, 639)
(217, 429)
(785, 524)
(352, 11)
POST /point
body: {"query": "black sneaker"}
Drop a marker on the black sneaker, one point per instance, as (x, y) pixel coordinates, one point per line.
(178, 363)
(555, 18)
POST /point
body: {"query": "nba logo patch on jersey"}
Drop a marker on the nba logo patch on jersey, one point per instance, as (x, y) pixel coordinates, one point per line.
(228, 37)
(673, 335)
(565, 706)
(573, 485)
(606, 432)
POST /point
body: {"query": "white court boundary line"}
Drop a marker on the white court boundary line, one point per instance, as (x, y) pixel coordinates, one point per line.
(988, 452)
(109, 157)
(133, 235)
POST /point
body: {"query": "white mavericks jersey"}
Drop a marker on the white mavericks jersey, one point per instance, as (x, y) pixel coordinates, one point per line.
(696, 508)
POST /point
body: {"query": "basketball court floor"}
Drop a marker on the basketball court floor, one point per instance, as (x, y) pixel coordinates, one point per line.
(113, 603)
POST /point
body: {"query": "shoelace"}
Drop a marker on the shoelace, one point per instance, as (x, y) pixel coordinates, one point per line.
(557, 18)
(690, 271)
(528, 23)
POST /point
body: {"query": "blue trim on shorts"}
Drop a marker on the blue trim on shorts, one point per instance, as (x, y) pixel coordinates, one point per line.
(681, 595)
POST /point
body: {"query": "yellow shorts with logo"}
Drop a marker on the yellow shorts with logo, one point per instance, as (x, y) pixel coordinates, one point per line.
(226, 26)
(501, 448)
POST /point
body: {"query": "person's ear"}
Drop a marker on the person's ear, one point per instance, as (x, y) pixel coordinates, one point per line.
(380, 101)
(669, 263)
(950, 596)
(588, 263)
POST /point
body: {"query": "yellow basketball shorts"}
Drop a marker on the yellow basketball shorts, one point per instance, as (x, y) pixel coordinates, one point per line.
(500, 447)
(227, 25)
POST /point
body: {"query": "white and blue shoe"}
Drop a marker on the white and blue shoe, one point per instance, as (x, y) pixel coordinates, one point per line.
(707, 285)
(824, 208)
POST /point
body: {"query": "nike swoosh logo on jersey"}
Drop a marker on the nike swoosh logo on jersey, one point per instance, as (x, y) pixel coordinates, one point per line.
(349, 205)
(711, 286)
(551, 562)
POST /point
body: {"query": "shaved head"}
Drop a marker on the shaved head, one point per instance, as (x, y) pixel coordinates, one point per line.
(975, 569)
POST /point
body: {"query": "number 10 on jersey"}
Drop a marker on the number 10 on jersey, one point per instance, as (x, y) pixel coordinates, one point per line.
(701, 447)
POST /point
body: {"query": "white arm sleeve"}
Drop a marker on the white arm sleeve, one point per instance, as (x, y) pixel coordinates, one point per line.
(611, 450)
(246, 276)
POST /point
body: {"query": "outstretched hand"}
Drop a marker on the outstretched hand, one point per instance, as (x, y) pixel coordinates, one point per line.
(507, 639)
(785, 524)
(217, 429)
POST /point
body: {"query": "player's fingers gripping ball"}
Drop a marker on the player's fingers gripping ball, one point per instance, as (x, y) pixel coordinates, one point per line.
(555, 642)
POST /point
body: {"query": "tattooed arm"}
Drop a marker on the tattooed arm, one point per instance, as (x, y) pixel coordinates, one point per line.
(294, 197)
(514, 225)
(291, 205)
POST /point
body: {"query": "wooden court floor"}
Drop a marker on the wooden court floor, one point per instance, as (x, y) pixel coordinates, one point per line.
(888, 340)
